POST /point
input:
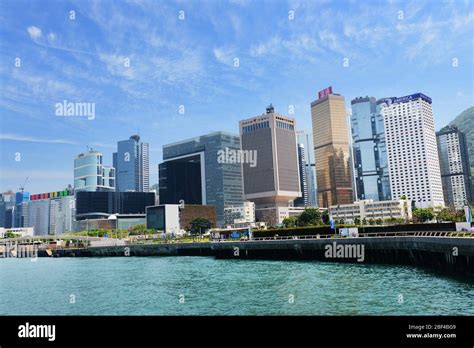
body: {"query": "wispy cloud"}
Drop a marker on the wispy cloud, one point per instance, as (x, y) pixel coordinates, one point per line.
(25, 138)
(35, 32)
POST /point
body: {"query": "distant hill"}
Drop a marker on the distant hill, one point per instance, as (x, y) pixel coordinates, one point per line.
(465, 122)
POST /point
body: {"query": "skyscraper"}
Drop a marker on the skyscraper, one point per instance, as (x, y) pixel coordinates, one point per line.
(306, 138)
(455, 167)
(302, 164)
(38, 216)
(20, 208)
(131, 163)
(412, 151)
(204, 170)
(3, 210)
(331, 149)
(372, 179)
(91, 175)
(273, 181)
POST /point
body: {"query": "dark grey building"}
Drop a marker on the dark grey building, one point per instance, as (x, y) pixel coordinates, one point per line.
(204, 170)
(96, 205)
(3, 211)
(302, 201)
(455, 167)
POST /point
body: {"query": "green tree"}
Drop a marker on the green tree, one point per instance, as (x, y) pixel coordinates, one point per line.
(290, 222)
(341, 222)
(364, 222)
(309, 217)
(140, 229)
(378, 221)
(371, 222)
(357, 221)
(199, 225)
(423, 214)
(446, 214)
(404, 197)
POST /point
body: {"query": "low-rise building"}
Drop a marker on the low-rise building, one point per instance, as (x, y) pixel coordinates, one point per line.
(18, 231)
(369, 209)
(240, 214)
(173, 218)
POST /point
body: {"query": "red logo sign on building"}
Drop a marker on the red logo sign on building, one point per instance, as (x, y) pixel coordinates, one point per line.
(325, 92)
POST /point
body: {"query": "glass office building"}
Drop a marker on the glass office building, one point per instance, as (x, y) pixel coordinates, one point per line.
(306, 139)
(91, 175)
(93, 205)
(131, 163)
(369, 150)
(195, 171)
(455, 167)
(331, 150)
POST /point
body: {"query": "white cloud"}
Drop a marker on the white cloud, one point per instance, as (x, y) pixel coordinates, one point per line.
(118, 65)
(35, 32)
(225, 55)
(34, 175)
(269, 47)
(51, 37)
(25, 138)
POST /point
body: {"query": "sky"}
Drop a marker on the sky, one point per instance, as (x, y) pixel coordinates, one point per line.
(173, 70)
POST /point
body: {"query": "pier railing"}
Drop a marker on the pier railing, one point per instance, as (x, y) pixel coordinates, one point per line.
(446, 234)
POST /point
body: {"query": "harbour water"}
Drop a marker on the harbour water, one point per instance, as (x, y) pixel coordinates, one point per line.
(208, 286)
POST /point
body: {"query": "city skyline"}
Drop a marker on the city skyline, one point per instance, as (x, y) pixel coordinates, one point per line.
(143, 69)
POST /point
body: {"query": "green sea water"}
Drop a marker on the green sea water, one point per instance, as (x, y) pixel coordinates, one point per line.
(206, 286)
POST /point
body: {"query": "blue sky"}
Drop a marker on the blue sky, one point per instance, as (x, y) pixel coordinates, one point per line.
(393, 48)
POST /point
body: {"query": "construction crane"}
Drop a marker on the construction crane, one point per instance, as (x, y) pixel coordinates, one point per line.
(22, 187)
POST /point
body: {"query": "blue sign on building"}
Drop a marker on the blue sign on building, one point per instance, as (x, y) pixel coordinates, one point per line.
(408, 98)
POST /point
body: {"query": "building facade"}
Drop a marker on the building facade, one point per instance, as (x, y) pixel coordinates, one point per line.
(61, 215)
(240, 215)
(455, 167)
(91, 175)
(412, 150)
(273, 181)
(369, 209)
(302, 201)
(131, 163)
(331, 149)
(39, 216)
(20, 209)
(306, 138)
(101, 205)
(371, 175)
(204, 170)
(51, 212)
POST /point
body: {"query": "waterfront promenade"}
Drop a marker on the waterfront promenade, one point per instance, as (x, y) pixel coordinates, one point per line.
(449, 252)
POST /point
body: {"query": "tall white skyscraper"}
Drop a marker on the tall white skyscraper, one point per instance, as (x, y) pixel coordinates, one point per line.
(412, 150)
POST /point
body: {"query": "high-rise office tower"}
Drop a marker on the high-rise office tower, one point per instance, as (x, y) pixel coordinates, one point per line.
(455, 167)
(91, 175)
(331, 149)
(20, 208)
(370, 160)
(302, 163)
(204, 170)
(131, 163)
(306, 138)
(272, 182)
(3, 210)
(412, 151)
(39, 216)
